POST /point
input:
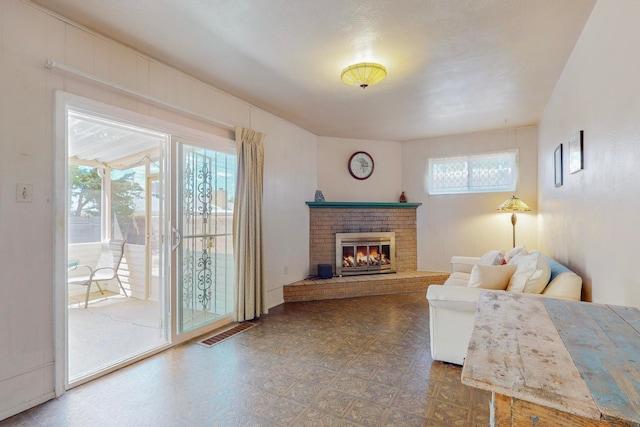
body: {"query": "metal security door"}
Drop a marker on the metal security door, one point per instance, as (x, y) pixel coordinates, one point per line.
(204, 221)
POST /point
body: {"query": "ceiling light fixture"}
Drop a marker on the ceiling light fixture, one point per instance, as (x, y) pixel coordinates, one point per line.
(363, 74)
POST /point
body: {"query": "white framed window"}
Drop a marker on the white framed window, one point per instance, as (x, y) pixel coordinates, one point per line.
(474, 173)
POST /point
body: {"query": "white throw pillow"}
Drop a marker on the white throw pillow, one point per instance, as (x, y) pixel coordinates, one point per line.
(565, 285)
(494, 277)
(532, 274)
(492, 258)
(518, 250)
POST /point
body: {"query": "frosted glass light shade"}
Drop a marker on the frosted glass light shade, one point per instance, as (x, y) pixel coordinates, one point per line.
(363, 74)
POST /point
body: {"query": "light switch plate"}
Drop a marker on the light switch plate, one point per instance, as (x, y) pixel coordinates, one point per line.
(24, 193)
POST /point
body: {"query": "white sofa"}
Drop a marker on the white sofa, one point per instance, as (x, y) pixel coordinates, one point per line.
(452, 306)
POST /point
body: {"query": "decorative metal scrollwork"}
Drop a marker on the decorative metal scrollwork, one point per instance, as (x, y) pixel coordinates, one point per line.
(205, 191)
(187, 277)
(188, 212)
(198, 196)
(204, 279)
(188, 191)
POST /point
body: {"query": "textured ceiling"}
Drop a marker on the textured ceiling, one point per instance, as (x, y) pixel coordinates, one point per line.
(454, 66)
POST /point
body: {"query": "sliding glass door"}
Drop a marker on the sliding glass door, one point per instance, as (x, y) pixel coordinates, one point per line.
(115, 208)
(168, 201)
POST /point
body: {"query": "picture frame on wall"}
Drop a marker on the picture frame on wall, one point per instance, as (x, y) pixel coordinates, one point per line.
(557, 165)
(576, 155)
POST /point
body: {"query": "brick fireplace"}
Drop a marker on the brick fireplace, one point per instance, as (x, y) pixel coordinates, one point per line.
(329, 218)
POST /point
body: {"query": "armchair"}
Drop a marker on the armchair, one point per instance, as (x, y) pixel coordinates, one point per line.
(105, 269)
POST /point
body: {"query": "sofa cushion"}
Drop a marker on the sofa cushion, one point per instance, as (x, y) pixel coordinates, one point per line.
(494, 257)
(458, 278)
(566, 285)
(494, 277)
(532, 273)
(518, 250)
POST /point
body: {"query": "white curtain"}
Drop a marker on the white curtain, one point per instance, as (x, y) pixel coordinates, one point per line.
(248, 246)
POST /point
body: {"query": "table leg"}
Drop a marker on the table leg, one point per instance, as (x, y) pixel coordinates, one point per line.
(500, 410)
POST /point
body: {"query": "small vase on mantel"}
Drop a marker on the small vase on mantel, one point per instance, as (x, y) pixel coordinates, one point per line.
(319, 196)
(403, 198)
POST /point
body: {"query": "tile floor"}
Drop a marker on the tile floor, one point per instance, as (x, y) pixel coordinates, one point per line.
(119, 327)
(349, 362)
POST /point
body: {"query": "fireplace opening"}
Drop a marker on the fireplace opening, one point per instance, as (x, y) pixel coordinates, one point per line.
(365, 253)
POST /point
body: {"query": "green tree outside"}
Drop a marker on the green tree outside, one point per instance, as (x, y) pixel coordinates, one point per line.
(86, 199)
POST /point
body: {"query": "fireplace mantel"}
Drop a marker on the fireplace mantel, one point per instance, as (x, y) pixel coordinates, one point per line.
(363, 205)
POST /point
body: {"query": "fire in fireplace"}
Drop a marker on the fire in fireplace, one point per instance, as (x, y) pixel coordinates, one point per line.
(365, 253)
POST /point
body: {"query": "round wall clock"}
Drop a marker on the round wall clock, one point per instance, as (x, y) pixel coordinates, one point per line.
(360, 165)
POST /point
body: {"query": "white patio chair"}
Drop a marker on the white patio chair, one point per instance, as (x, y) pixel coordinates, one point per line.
(105, 269)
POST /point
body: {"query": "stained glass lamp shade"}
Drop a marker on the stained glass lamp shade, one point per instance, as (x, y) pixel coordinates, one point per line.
(513, 204)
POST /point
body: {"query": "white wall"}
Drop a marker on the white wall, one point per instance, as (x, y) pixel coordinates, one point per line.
(29, 36)
(468, 224)
(289, 181)
(591, 221)
(337, 185)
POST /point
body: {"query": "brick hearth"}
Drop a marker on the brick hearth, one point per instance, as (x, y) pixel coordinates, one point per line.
(357, 286)
(329, 218)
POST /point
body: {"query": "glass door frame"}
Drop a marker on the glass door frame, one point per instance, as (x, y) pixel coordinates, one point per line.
(150, 178)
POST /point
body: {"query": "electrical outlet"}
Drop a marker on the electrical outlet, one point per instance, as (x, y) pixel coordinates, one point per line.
(286, 270)
(24, 193)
